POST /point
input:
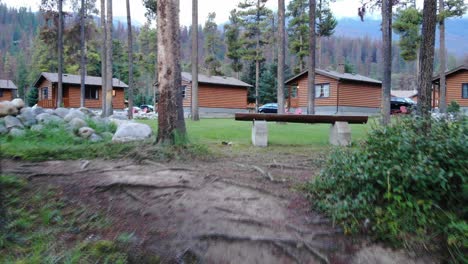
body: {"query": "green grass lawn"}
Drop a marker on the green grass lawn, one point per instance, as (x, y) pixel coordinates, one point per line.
(215, 130)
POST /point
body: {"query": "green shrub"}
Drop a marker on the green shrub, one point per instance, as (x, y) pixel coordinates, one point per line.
(406, 184)
(453, 107)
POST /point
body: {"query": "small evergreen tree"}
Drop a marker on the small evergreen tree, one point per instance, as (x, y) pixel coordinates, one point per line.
(212, 46)
(233, 42)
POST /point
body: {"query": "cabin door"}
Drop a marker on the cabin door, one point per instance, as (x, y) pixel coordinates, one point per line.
(66, 97)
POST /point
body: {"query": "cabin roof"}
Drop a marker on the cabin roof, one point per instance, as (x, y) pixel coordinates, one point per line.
(338, 76)
(76, 79)
(464, 67)
(222, 80)
(7, 85)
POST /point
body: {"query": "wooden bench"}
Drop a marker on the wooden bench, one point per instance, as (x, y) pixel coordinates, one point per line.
(340, 132)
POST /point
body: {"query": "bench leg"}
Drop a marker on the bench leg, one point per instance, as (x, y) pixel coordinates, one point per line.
(340, 134)
(259, 133)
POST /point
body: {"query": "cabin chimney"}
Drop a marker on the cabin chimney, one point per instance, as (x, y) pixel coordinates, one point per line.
(341, 67)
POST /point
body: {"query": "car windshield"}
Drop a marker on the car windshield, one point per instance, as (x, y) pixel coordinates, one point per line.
(270, 105)
(410, 101)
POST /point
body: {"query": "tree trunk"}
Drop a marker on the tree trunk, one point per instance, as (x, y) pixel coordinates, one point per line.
(387, 59)
(60, 56)
(311, 60)
(281, 55)
(443, 62)
(103, 57)
(426, 59)
(194, 109)
(109, 75)
(130, 62)
(257, 54)
(170, 125)
(319, 51)
(83, 53)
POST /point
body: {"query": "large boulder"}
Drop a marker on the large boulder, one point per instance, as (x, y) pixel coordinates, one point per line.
(11, 122)
(86, 111)
(27, 117)
(74, 113)
(95, 138)
(46, 118)
(37, 110)
(18, 103)
(85, 132)
(132, 131)
(62, 112)
(37, 127)
(77, 123)
(7, 108)
(3, 129)
(16, 132)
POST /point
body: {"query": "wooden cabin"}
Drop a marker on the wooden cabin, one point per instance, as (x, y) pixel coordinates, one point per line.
(47, 91)
(456, 81)
(336, 93)
(216, 94)
(7, 90)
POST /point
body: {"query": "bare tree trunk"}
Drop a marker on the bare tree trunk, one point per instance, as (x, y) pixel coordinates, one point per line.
(194, 109)
(103, 57)
(319, 51)
(60, 55)
(443, 62)
(387, 59)
(83, 53)
(170, 125)
(109, 75)
(426, 59)
(311, 60)
(257, 54)
(281, 55)
(130, 62)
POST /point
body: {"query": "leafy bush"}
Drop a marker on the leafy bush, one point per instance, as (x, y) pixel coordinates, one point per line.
(453, 107)
(406, 183)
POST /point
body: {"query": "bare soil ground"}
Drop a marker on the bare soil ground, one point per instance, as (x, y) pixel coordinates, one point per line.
(240, 208)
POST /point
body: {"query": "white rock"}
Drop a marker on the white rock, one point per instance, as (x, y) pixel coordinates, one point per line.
(77, 123)
(18, 103)
(85, 132)
(7, 108)
(132, 131)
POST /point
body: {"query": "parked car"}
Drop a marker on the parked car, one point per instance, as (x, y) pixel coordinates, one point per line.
(149, 108)
(396, 104)
(268, 108)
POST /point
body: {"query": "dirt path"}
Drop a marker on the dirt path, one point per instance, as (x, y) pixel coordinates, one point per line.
(238, 209)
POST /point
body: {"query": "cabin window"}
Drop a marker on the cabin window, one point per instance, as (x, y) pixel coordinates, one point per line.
(465, 90)
(183, 89)
(294, 91)
(322, 90)
(113, 92)
(1, 93)
(92, 93)
(44, 93)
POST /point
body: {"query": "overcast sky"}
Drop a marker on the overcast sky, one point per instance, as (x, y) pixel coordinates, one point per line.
(341, 8)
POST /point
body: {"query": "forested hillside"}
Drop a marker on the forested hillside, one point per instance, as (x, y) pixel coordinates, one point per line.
(28, 47)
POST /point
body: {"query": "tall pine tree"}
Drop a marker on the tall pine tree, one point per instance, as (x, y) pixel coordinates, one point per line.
(212, 46)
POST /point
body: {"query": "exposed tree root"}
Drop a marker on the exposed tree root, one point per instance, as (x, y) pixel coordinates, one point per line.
(287, 252)
(255, 188)
(134, 196)
(103, 188)
(242, 199)
(285, 166)
(291, 242)
(247, 221)
(264, 173)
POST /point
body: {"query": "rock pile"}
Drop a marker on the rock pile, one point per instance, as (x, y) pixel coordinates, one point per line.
(15, 119)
